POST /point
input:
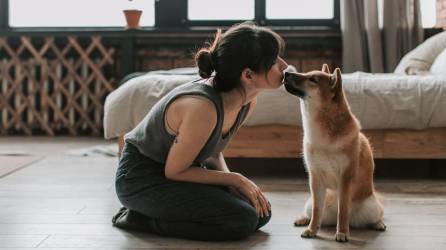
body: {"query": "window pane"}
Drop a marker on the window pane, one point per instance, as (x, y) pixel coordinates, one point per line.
(299, 9)
(220, 10)
(428, 13)
(78, 13)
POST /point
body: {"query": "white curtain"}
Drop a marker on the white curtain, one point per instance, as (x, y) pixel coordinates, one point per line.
(368, 48)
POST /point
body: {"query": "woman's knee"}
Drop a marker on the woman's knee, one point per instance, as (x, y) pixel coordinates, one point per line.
(242, 224)
(263, 221)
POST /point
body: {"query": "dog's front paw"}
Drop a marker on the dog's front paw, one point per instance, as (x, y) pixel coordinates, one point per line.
(302, 221)
(341, 237)
(308, 233)
(379, 226)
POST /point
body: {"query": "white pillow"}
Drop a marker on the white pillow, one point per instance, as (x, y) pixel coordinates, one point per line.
(419, 60)
(439, 65)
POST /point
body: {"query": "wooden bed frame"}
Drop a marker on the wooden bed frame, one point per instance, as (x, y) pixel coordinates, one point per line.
(282, 141)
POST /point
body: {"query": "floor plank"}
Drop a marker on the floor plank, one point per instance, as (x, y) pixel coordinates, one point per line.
(11, 163)
(22, 240)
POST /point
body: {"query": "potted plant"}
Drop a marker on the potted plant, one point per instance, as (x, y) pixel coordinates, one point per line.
(132, 17)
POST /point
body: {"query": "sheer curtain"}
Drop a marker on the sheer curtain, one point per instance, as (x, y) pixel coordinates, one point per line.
(368, 48)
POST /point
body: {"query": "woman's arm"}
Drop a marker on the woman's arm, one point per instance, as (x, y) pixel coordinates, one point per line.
(196, 119)
(218, 162)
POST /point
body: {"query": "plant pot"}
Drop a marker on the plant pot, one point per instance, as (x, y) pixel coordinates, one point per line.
(132, 17)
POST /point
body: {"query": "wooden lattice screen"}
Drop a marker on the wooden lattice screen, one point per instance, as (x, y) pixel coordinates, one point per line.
(53, 86)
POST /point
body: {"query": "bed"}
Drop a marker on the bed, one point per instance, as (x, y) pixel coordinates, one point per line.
(402, 113)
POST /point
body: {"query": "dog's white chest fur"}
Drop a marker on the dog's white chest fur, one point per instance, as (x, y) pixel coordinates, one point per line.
(326, 163)
(325, 158)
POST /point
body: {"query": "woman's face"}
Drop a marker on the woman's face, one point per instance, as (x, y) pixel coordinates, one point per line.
(255, 82)
(274, 77)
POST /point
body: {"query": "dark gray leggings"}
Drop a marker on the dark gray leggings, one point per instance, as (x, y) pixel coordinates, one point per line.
(180, 209)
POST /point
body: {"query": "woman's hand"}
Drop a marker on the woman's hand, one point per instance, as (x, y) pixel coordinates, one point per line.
(251, 191)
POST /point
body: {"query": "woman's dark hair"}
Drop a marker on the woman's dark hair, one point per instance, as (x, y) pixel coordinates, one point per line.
(242, 46)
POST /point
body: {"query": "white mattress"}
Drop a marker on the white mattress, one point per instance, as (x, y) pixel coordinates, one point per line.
(380, 101)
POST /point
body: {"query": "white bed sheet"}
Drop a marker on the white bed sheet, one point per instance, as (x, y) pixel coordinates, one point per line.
(380, 101)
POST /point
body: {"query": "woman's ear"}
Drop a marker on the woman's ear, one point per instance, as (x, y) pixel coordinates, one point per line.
(247, 75)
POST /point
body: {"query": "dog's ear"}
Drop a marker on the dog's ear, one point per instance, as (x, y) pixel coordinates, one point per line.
(336, 84)
(325, 68)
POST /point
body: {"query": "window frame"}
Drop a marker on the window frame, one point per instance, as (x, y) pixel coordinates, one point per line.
(4, 24)
(175, 17)
(4, 15)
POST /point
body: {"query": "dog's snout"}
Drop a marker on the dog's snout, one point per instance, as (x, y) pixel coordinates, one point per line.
(293, 84)
(288, 77)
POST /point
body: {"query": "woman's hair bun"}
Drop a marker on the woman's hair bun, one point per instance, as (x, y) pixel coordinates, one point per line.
(203, 58)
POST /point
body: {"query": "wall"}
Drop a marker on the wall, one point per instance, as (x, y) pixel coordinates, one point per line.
(168, 58)
(304, 51)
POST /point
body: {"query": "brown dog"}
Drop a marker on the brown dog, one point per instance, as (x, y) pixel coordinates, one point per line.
(337, 155)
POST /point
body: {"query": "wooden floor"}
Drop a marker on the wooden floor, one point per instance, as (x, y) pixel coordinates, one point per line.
(66, 202)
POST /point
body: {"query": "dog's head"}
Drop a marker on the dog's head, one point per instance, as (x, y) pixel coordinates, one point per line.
(318, 86)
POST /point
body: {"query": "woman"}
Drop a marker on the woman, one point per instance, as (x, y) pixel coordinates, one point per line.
(172, 177)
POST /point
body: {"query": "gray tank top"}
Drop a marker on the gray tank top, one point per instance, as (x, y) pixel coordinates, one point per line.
(153, 140)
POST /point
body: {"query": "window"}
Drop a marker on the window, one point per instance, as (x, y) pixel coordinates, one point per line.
(220, 10)
(168, 13)
(428, 13)
(78, 13)
(189, 13)
(181, 13)
(292, 9)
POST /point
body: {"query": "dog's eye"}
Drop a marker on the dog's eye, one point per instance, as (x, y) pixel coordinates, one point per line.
(312, 79)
